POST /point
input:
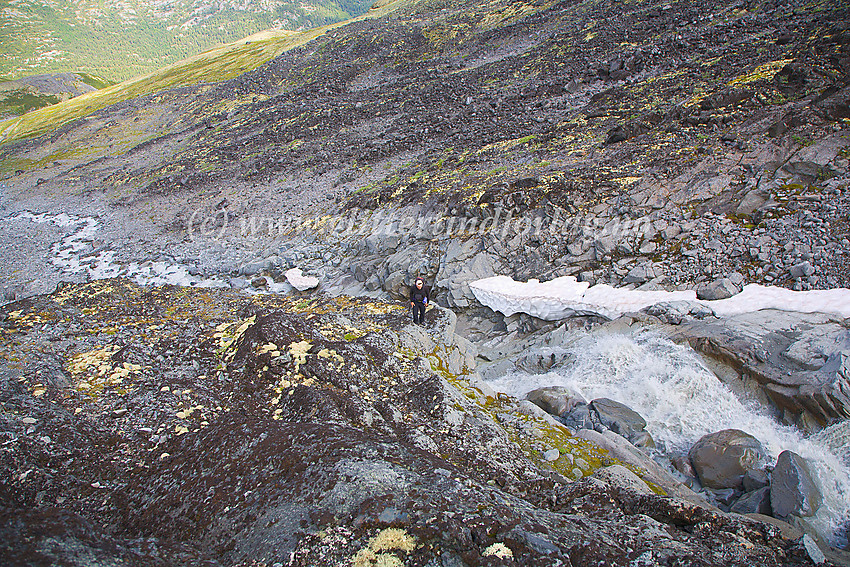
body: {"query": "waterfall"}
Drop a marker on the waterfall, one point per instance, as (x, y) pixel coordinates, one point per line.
(682, 400)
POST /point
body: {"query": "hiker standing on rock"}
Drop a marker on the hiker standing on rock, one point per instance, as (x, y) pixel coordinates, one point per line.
(420, 294)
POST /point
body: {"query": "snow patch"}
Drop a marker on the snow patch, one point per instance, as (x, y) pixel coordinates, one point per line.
(299, 281)
(565, 296)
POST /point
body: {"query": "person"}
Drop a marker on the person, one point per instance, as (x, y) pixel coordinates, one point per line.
(420, 294)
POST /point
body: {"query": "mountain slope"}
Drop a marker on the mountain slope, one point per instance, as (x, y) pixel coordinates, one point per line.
(120, 40)
(218, 64)
(692, 145)
(21, 96)
(602, 111)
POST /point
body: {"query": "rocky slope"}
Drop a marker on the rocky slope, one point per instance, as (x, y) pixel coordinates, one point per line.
(672, 145)
(154, 426)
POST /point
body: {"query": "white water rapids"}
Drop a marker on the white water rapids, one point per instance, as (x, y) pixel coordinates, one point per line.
(682, 400)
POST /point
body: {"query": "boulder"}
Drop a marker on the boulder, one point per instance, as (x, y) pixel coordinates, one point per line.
(299, 281)
(812, 550)
(396, 284)
(555, 400)
(618, 417)
(752, 201)
(792, 489)
(639, 274)
(721, 459)
(723, 498)
(580, 417)
(801, 270)
(258, 265)
(755, 479)
(721, 288)
(755, 502)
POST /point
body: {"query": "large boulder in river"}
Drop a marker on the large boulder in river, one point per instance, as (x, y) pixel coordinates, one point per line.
(792, 488)
(799, 363)
(721, 459)
(555, 400)
(618, 417)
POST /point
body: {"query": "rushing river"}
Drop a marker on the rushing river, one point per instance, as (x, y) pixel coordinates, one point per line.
(682, 400)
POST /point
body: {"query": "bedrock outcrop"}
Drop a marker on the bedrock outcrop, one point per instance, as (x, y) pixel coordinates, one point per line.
(796, 363)
(173, 425)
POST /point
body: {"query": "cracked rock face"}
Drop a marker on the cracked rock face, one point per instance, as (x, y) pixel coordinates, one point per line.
(163, 425)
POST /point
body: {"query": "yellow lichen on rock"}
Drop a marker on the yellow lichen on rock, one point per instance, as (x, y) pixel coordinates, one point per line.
(393, 538)
(766, 71)
(97, 359)
(330, 354)
(269, 347)
(389, 539)
(499, 550)
(227, 339)
(299, 353)
(94, 370)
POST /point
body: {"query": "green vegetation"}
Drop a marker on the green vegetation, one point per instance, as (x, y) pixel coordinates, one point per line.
(20, 101)
(219, 64)
(95, 81)
(127, 39)
(802, 140)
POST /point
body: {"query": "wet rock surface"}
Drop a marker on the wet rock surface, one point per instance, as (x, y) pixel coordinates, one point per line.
(795, 362)
(792, 490)
(721, 459)
(155, 426)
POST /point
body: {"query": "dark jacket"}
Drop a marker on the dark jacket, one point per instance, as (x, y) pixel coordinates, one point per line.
(420, 295)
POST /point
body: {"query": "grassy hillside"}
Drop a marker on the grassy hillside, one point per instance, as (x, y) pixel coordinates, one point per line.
(217, 64)
(123, 40)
